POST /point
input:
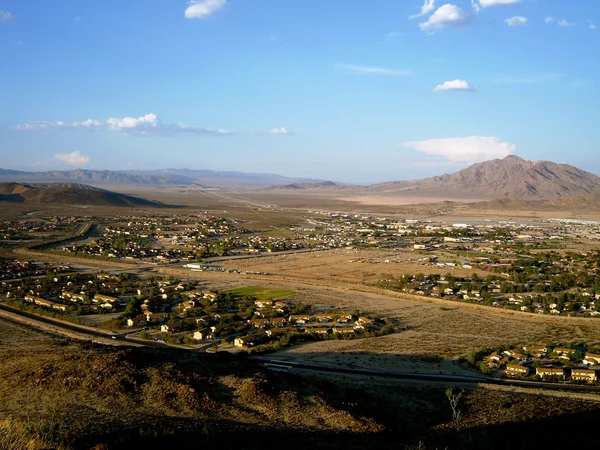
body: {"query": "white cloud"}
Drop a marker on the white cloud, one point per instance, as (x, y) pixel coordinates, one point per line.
(202, 9)
(488, 3)
(528, 79)
(147, 122)
(564, 23)
(549, 20)
(455, 85)
(446, 15)
(73, 158)
(475, 6)
(516, 21)
(427, 7)
(280, 130)
(593, 27)
(370, 70)
(147, 125)
(5, 16)
(463, 150)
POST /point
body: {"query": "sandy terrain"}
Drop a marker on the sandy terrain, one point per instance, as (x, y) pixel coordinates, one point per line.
(349, 265)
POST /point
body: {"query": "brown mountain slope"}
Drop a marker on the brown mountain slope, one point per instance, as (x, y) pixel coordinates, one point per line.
(68, 194)
(511, 177)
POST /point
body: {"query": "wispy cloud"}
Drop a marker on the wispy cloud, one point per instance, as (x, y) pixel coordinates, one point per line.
(528, 79)
(280, 130)
(147, 125)
(592, 25)
(488, 3)
(564, 23)
(455, 85)
(73, 158)
(447, 15)
(373, 70)
(470, 149)
(549, 20)
(203, 9)
(6, 16)
(516, 21)
(427, 7)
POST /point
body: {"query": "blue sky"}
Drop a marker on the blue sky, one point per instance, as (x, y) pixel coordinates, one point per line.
(346, 90)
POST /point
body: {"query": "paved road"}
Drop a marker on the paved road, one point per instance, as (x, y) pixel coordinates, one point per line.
(428, 377)
(81, 330)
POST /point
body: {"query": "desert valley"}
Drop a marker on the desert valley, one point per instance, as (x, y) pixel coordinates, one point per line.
(174, 312)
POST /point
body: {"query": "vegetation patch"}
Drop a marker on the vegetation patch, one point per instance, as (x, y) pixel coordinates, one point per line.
(259, 292)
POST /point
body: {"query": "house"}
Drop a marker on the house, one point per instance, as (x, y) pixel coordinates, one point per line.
(45, 303)
(494, 359)
(322, 318)
(547, 372)
(514, 370)
(584, 375)
(74, 297)
(537, 351)
(300, 319)
(318, 330)
(250, 340)
(515, 354)
(203, 334)
(592, 359)
(281, 307)
(99, 298)
(277, 333)
(278, 322)
(344, 330)
(157, 317)
(563, 351)
(263, 303)
(210, 295)
(259, 323)
(175, 327)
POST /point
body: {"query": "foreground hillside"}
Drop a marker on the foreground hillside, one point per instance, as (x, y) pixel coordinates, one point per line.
(56, 393)
(67, 194)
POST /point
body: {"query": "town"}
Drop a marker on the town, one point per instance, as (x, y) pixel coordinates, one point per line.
(183, 313)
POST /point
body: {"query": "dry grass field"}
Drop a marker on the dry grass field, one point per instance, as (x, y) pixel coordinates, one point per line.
(432, 332)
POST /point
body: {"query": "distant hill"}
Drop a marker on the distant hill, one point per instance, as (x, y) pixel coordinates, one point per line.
(68, 194)
(511, 177)
(163, 177)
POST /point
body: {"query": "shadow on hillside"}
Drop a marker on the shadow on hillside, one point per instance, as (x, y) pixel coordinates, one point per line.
(407, 413)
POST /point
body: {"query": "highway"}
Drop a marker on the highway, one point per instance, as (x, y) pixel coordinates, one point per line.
(278, 363)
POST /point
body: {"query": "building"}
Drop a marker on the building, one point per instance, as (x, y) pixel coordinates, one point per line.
(537, 351)
(99, 298)
(514, 370)
(592, 359)
(250, 340)
(547, 372)
(584, 375)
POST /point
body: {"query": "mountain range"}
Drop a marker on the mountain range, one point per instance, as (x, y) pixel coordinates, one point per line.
(162, 177)
(508, 178)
